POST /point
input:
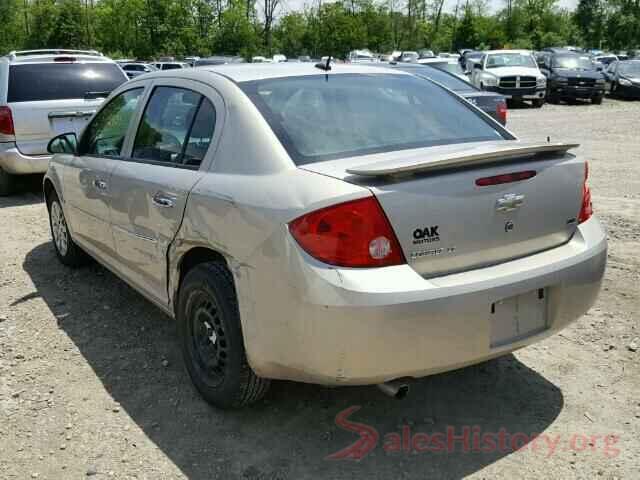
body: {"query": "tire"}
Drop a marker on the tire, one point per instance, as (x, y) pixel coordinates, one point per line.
(211, 339)
(67, 251)
(597, 100)
(537, 102)
(7, 183)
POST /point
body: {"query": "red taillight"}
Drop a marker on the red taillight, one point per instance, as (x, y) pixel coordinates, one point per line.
(586, 209)
(350, 234)
(501, 110)
(6, 121)
(505, 178)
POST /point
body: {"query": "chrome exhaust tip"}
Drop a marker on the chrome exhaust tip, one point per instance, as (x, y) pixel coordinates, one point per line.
(397, 389)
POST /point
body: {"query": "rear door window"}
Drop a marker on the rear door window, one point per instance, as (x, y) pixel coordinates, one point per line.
(62, 81)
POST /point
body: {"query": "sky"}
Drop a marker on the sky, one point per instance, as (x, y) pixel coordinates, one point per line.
(292, 5)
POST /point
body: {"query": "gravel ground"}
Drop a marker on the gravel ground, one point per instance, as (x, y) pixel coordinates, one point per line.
(92, 382)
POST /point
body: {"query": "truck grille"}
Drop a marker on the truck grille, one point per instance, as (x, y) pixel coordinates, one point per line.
(518, 82)
(581, 82)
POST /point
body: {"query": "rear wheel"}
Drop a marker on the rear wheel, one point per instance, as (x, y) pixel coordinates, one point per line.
(7, 183)
(68, 252)
(211, 338)
(597, 100)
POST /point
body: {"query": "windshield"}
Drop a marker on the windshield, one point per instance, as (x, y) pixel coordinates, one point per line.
(573, 62)
(510, 60)
(61, 81)
(630, 68)
(322, 117)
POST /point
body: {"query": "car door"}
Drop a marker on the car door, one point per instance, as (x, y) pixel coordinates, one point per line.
(177, 129)
(87, 175)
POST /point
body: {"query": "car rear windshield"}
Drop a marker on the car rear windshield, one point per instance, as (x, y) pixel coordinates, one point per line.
(322, 117)
(60, 81)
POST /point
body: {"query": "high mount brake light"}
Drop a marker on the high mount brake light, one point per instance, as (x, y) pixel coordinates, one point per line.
(505, 178)
(351, 234)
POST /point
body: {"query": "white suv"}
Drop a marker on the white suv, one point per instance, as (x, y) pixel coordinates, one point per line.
(512, 73)
(44, 93)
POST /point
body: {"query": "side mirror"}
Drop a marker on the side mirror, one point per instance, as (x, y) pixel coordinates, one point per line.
(64, 143)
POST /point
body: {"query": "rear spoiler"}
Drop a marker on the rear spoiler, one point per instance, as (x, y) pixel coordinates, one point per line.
(477, 155)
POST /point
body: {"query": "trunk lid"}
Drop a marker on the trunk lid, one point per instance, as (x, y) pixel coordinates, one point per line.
(447, 223)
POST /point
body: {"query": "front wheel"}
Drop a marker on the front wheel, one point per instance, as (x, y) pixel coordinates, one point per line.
(537, 103)
(67, 251)
(597, 100)
(211, 339)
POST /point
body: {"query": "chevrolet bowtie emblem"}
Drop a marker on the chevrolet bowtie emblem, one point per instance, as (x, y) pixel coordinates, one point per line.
(509, 202)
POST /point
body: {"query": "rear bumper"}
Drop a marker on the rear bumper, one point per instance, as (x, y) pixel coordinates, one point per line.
(14, 162)
(332, 326)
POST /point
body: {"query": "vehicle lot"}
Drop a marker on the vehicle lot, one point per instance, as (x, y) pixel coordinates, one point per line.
(92, 382)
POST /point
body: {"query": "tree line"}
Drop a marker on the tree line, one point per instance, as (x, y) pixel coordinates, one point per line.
(152, 28)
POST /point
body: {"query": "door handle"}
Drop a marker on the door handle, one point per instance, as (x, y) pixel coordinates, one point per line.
(163, 201)
(100, 184)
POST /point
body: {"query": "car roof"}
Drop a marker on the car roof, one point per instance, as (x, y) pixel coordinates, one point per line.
(246, 72)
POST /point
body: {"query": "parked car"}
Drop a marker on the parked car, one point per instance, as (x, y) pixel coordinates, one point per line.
(572, 76)
(426, 54)
(493, 104)
(135, 69)
(191, 60)
(218, 60)
(448, 65)
(171, 65)
(408, 57)
(623, 78)
(360, 56)
(469, 59)
(605, 59)
(513, 73)
(404, 244)
(44, 93)
(279, 58)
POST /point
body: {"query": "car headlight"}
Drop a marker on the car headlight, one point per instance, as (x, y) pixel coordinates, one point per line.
(542, 81)
(625, 82)
(490, 81)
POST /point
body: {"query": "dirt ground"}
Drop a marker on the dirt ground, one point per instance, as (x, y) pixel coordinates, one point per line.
(92, 382)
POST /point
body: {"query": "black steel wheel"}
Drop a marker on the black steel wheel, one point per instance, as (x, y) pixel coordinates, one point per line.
(211, 338)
